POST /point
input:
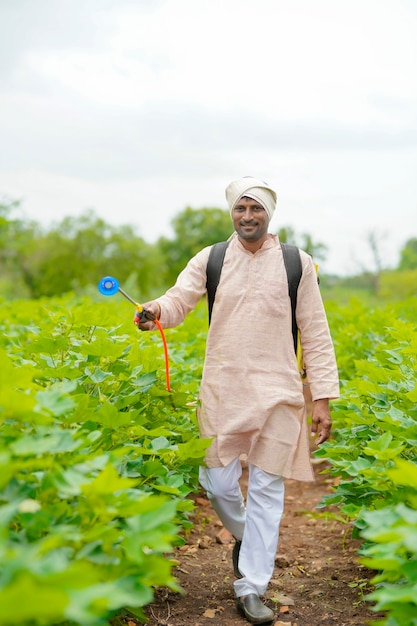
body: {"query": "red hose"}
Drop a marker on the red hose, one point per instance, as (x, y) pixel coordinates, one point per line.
(164, 341)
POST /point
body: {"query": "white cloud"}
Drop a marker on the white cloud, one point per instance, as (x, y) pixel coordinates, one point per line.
(149, 106)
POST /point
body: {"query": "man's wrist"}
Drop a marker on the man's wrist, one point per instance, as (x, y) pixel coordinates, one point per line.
(324, 400)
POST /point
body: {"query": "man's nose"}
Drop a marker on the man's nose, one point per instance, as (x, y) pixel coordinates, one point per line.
(248, 215)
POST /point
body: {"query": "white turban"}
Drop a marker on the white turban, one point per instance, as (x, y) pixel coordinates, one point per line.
(251, 188)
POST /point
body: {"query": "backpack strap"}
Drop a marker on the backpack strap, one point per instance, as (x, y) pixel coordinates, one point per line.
(292, 261)
(214, 269)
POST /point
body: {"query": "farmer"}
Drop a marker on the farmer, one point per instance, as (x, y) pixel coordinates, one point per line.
(251, 395)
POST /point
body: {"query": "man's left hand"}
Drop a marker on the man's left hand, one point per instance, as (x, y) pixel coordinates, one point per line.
(321, 415)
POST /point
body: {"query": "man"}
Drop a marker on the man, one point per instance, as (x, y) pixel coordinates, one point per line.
(251, 395)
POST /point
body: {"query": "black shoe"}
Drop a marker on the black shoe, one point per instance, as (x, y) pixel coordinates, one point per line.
(253, 609)
(235, 558)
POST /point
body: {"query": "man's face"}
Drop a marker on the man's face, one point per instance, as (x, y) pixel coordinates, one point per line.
(250, 220)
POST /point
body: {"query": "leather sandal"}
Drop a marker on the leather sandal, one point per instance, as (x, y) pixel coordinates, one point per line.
(253, 609)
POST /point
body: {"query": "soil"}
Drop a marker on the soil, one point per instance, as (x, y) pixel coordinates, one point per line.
(317, 579)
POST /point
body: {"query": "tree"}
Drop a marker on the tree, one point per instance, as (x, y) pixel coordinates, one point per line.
(408, 255)
(15, 238)
(286, 234)
(194, 229)
(317, 250)
(374, 241)
(79, 251)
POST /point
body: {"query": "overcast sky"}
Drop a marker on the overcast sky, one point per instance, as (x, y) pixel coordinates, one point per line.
(139, 108)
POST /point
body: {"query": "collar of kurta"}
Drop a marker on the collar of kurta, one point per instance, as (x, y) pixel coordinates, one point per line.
(271, 242)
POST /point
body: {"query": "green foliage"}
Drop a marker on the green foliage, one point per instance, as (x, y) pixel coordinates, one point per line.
(194, 229)
(72, 254)
(97, 461)
(75, 252)
(373, 450)
(388, 286)
(408, 257)
(316, 249)
(16, 236)
(365, 282)
(392, 533)
(398, 285)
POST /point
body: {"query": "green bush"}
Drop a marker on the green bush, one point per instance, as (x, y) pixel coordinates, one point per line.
(373, 449)
(398, 286)
(97, 460)
(392, 549)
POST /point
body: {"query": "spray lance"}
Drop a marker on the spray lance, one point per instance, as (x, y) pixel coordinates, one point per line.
(109, 286)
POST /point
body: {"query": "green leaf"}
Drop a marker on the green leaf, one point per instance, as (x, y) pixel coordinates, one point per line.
(194, 449)
(108, 415)
(404, 473)
(27, 598)
(108, 481)
(161, 443)
(86, 604)
(40, 443)
(97, 375)
(56, 398)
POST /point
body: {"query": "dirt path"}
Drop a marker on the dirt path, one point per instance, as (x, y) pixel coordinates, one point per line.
(317, 580)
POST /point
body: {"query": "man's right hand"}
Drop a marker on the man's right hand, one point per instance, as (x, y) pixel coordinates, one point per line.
(144, 320)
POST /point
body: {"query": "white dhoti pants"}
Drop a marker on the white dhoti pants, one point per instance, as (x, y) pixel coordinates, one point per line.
(257, 525)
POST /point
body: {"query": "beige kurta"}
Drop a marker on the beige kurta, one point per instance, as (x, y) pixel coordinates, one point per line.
(251, 394)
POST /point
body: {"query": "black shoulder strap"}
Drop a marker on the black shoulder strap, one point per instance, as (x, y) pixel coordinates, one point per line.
(214, 269)
(292, 261)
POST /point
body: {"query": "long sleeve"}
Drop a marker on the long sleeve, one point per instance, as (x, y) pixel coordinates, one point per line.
(190, 286)
(318, 350)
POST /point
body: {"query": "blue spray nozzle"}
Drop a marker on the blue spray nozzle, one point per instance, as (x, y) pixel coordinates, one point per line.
(108, 286)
